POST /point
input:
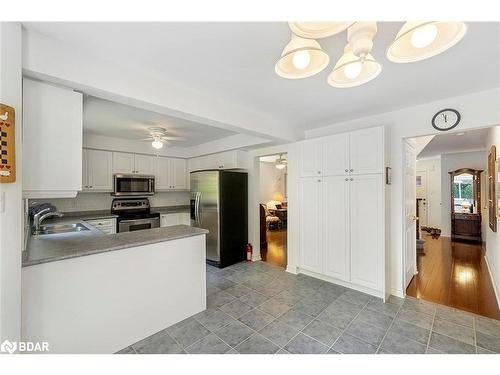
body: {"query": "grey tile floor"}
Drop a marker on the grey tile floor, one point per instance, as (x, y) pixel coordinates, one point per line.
(259, 308)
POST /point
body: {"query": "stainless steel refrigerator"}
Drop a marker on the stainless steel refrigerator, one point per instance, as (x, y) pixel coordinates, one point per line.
(219, 203)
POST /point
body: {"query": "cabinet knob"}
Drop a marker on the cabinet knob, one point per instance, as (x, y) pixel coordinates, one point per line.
(319, 180)
(352, 179)
(347, 170)
(347, 179)
(319, 172)
(351, 170)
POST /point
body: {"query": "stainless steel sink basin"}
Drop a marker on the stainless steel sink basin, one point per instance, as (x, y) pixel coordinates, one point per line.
(62, 228)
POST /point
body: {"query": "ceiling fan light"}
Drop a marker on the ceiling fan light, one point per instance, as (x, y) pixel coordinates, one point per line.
(421, 40)
(157, 144)
(317, 30)
(301, 58)
(351, 71)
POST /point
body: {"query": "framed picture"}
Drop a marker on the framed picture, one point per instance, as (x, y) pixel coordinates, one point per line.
(388, 175)
(498, 185)
(492, 188)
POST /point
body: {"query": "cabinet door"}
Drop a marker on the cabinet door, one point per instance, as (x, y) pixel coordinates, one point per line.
(167, 220)
(178, 173)
(163, 175)
(85, 170)
(367, 230)
(123, 162)
(185, 218)
(367, 151)
(100, 170)
(145, 164)
(336, 155)
(310, 225)
(335, 227)
(311, 158)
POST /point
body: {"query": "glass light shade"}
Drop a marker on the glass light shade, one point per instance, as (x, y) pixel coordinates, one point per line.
(351, 71)
(281, 166)
(295, 63)
(420, 40)
(157, 144)
(317, 30)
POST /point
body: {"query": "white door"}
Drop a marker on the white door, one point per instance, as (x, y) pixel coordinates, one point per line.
(145, 164)
(421, 193)
(163, 175)
(367, 230)
(123, 162)
(410, 253)
(310, 224)
(366, 151)
(336, 155)
(335, 227)
(311, 158)
(100, 170)
(179, 173)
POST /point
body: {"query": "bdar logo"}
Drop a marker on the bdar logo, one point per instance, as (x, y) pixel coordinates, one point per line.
(8, 347)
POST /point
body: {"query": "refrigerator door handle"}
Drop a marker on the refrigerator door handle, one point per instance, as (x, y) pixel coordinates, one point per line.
(197, 208)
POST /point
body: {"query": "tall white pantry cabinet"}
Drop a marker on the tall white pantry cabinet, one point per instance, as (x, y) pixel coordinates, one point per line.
(342, 209)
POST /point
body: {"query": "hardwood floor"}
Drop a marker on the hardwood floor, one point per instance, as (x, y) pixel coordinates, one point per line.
(454, 274)
(276, 247)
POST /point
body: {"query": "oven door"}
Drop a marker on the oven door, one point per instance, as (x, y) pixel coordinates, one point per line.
(124, 185)
(138, 224)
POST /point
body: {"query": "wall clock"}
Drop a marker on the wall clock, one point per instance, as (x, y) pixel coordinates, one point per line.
(446, 119)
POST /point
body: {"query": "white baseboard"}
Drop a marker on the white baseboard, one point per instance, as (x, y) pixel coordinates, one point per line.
(256, 258)
(397, 293)
(492, 281)
(291, 269)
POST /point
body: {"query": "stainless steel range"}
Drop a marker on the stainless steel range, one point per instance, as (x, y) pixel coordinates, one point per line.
(134, 214)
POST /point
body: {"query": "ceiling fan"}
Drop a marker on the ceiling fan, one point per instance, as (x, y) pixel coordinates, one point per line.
(159, 136)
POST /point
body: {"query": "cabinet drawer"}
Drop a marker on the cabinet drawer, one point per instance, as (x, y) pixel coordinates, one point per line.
(102, 222)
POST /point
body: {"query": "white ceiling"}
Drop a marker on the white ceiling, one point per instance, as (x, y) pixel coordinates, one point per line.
(236, 61)
(112, 119)
(450, 143)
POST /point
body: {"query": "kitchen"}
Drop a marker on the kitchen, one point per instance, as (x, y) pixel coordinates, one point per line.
(118, 207)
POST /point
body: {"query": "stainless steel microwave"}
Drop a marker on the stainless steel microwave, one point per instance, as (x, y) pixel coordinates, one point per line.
(133, 184)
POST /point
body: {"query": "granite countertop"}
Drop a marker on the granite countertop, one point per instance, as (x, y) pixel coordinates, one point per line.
(56, 247)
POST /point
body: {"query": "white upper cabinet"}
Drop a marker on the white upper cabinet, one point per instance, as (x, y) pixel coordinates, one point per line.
(97, 170)
(224, 160)
(357, 152)
(336, 155)
(310, 224)
(335, 227)
(366, 151)
(171, 174)
(123, 162)
(367, 230)
(311, 158)
(145, 164)
(52, 140)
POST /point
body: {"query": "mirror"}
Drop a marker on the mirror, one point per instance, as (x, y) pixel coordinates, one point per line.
(464, 194)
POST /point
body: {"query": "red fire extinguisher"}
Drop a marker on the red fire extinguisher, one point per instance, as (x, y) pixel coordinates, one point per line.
(249, 252)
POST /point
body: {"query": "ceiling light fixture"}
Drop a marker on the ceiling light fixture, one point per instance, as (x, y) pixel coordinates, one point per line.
(281, 162)
(417, 41)
(351, 71)
(301, 58)
(157, 143)
(317, 30)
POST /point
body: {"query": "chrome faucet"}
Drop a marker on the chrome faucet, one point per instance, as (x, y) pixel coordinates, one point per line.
(41, 216)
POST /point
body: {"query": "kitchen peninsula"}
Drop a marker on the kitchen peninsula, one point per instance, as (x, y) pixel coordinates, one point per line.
(100, 293)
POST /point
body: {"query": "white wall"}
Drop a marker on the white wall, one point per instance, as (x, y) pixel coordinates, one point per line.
(11, 212)
(433, 169)
(478, 110)
(102, 201)
(272, 181)
(452, 162)
(493, 238)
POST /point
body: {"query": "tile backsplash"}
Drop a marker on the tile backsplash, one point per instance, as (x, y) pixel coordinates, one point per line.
(102, 201)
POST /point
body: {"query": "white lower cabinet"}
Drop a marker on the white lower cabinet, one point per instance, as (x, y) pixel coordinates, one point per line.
(167, 220)
(107, 225)
(342, 230)
(310, 223)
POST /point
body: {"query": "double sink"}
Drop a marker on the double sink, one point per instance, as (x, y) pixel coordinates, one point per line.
(61, 228)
